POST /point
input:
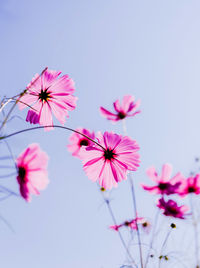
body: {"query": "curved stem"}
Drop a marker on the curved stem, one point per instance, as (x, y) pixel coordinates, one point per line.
(50, 126)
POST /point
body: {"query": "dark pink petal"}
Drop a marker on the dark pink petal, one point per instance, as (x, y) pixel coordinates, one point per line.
(32, 173)
(108, 115)
(32, 117)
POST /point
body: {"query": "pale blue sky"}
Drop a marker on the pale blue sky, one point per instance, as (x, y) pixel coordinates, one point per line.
(150, 49)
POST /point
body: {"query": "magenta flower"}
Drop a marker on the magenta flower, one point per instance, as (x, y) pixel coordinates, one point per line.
(170, 208)
(48, 94)
(164, 184)
(116, 227)
(132, 224)
(127, 109)
(32, 171)
(109, 163)
(77, 141)
(190, 185)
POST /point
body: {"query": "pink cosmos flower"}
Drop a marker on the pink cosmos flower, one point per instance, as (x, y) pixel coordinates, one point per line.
(32, 171)
(164, 184)
(170, 208)
(127, 109)
(48, 94)
(77, 141)
(132, 224)
(109, 163)
(116, 227)
(190, 185)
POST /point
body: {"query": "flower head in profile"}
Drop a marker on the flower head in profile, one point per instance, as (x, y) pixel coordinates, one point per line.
(164, 183)
(77, 141)
(47, 94)
(32, 171)
(190, 185)
(128, 108)
(170, 208)
(109, 161)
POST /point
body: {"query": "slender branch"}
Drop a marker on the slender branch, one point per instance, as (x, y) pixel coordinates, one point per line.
(119, 233)
(152, 238)
(18, 99)
(50, 126)
(163, 245)
(135, 211)
(196, 242)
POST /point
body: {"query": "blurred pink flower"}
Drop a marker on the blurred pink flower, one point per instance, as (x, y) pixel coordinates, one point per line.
(116, 227)
(132, 224)
(170, 208)
(190, 185)
(109, 163)
(78, 141)
(127, 109)
(48, 94)
(164, 184)
(32, 171)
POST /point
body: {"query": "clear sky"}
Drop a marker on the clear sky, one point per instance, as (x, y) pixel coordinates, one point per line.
(150, 49)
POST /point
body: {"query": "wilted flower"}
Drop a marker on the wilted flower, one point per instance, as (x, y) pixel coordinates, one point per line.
(48, 94)
(78, 141)
(109, 162)
(127, 109)
(164, 184)
(32, 171)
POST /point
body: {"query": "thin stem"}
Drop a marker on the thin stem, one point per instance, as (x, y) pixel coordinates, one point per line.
(163, 245)
(135, 211)
(152, 238)
(18, 99)
(50, 126)
(119, 233)
(134, 202)
(4, 104)
(196, 242)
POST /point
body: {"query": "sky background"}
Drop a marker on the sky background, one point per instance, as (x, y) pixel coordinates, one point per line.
(149, 49)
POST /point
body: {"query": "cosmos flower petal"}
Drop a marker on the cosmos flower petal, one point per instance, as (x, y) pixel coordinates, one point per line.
(114, 162)
(50, 94)
(126, 109)
(151, 173)
(27, 99)
(93, 169)
(127, 102)
(77, 142)
(32, 171)
(46, 116)
(107, 114)
(32, 117)
(166, 172)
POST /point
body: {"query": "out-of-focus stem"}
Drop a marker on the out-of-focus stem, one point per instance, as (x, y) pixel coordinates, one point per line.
(152, 238)
(119, 233)
(134, 202)
(135, 211)
(163, 245)
(196, 242)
